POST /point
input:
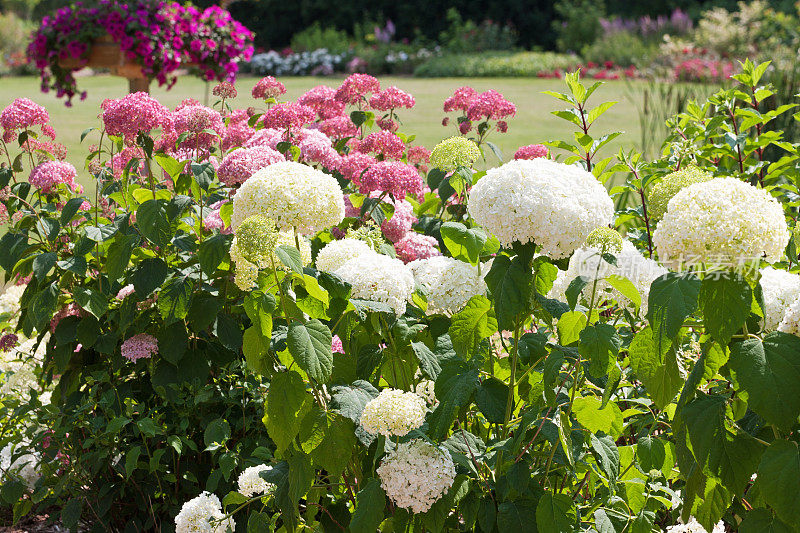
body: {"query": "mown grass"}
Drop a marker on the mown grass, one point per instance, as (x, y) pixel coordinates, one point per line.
(533, 122)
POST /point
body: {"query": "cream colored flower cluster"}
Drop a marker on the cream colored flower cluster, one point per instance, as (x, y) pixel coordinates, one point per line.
(203, 514)
(454, 152)
(588, 262)
(246, 273)
(780, 289)
(291, 194)
(448, 283)
(337, 253)
(553, 204)
(724, 221)
(25, 467)
(693, 526)
(393, 413)
(416, 474)
(379, 278)
(251, 483)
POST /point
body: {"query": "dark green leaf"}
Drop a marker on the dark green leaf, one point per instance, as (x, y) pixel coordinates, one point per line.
(673, 298)
(370, 502)
(725, 302)
(310, 346)
(149, 276)
(152, 222)
(779, 479)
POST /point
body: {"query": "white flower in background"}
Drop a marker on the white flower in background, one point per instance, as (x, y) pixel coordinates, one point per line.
(291, 194)
(724, 221)
(393, 413)
(246, 273)
(20, 383)
(425, 389)
(9, 300)
(780, 289)
(25, 467)
(693, 526)
(588, 262)
(251, 483)
(337, 253)
(448, 283)
(416, 474)
(379, 278)
(790, 322)
(203, 514)
(553, 204)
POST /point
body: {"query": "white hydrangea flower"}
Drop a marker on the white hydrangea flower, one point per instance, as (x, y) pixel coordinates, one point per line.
(780, 290)
(25, 467)
(588, 262)
(251, 483)
(9, 300)
(425, 389)
(724, 221)
(379, 278)
(393, 413)
(693, 526)
(448, 283)
(246, 273)
(416, 474)
(20, 383)
(291, 194)
(337, 253)
(553, 204)
(203, 514)
(790, 322)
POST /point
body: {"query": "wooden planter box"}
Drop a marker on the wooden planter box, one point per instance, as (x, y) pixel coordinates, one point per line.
(106, 53)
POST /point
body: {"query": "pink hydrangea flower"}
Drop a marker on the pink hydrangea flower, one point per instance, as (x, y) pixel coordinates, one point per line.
(357, 86)
(490, 105)
(195, 119)
(316, 147)
(395, 228)
(416, 246)
(71, 309)
(268, 87)
(139, 346)
(237, 130)
(338, 127)
(239, 165)
(287, 116)
(322, 100)
(23, 113)
(419, 156)
(353, 165)
(47, 176)
(336, 345)
(265, 137)
(383, 143)
(349, 210)
(225, 89)
(531, 151)
(213, 221)
(133, 114)
(125, 291)
(460, 101)
(394, 177)
(391, 98)
(121, 159)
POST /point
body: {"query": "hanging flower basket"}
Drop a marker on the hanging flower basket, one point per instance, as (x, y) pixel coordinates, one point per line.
(143, 41)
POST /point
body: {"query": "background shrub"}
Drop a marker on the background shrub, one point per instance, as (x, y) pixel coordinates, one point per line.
(495, 64)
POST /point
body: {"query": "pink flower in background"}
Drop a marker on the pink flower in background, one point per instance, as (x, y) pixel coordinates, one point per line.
(139, 346)
(461, 100)
(353, 165)
(383, 143)
(286, 116)
(134, 114)
(213, 221)
(531, 151)
(22, 114)
(10, 340)
(391, 98)
(225, 89)
(336, 345)
(265, 137)
(419, 157)
(268, 87)
(416, 246)
(71, 309)
(490, 105)
(388, 124)
(239, 165)
(237, 131)
(338, 127)
(196, 119)
(356, 87)
(47, 176)
(394, 177)
(316, 147)
(322, 100)
(125, 291)
(395, 228)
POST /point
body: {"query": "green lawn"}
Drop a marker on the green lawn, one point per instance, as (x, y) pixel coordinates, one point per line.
(532, 124)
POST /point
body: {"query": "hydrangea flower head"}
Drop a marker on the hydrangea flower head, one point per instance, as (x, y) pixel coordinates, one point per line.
(384, 143)
(251, 483)
(605, 239)
(239, 165)
(663, 191)
(391, 98)
(256, 238)
(416, 474)
(724, 221)
(356, 87)
(415, 246)
(203, 514)
(139, 346)
(397, 178)
(552, 204)
(49, 175)
(393, 413)
(780, 289)
(453, 153)
(293, 195)
(289, 115)
(448, 283)
(379, 278)
(531, 151)
(268, 87)
(396, 227)
(133, 114)
(22, 114)
(337, 253)
(224, 89)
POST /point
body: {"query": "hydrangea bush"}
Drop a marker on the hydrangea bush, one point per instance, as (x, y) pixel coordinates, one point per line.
(292, 318)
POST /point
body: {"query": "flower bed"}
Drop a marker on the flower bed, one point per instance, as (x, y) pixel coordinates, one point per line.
(292, 316)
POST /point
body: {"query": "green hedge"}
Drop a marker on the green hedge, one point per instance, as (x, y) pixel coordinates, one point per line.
(494, 64)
